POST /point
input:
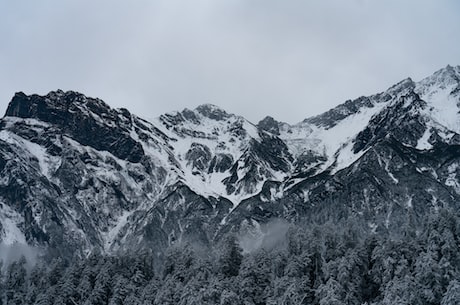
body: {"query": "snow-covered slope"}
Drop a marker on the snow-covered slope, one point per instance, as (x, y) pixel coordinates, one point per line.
(76, 173)
(210, 146)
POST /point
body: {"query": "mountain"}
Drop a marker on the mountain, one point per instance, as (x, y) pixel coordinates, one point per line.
(78, 176)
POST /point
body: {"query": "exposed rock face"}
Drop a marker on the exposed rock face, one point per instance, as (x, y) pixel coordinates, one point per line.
(88, 121)
(76, 175)
(269, 124)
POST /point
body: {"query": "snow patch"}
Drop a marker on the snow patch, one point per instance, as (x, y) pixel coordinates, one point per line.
(111, 235)
(452, 180)
(333, 142)
(422, 143)
(386, 162)
(231, 136)
(373, 226)
(346, 157)
(10, 221)
(409, 203)
(47, 163)
(443, 108)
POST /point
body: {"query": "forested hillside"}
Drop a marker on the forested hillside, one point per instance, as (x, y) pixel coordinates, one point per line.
(314, 264)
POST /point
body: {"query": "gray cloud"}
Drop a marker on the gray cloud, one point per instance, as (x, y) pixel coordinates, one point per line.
(289, 59)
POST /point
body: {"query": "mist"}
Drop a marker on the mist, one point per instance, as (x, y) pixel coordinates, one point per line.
(10, 253)
(264, 236)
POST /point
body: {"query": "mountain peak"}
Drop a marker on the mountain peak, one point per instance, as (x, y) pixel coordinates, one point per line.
(269, 124)
(447, 72)
(81, 118)
(212, 111)
(443, 78)
(40, 107)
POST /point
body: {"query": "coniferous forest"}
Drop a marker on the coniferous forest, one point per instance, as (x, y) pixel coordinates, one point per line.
(324, 264)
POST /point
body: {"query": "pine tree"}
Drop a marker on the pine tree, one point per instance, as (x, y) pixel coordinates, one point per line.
(44, 298)
(330, 293)
(428, 277)
(170, 292)
(255, 278)
(179, 261)
(452, 295)
(120, 290)
(36, 283)
(401, 291)
(229, 256)
(15, 284)
(149, 292)
(2, 288)
(229, 297)
(102, 287)
(56, 271)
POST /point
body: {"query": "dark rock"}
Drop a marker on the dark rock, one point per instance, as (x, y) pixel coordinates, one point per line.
(198, 156)
(213, 112)
(220, 163)
(269, 124)
(88, 121)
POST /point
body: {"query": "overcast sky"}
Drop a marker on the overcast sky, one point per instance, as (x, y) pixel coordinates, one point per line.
(287, 58)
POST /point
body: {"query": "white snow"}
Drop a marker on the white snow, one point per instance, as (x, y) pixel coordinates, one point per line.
(409, 202)
(437, 90)
(386, 163)
(452, 180)
(134, 135)
(422, 143)
(47, 163)
(333, 142)
(373, 226)
(112, 233)
(390, 174)
(251, 129)
(346, 157)
(347, 129)
(444, 109)
(10, 121)
(10, 220)
(220, 138)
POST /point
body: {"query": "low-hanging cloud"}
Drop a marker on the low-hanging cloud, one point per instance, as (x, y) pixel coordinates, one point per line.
(270, 235)
(289, 59)
(13, 252)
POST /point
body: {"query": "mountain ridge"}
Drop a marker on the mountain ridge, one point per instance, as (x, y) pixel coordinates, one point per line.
(81, 174)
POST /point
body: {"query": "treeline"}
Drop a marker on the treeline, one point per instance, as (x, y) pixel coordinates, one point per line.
(321, 264)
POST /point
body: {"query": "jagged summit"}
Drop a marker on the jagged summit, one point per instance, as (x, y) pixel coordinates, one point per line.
(447, 78)
(36, 106)
(269, 124)
(212, 111)
(87, 120)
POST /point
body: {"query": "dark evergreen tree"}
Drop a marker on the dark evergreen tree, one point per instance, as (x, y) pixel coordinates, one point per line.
(401, 291)
(150, 291)
(452, 295)
(229, 256)
(331, 293)
(255, 278)
(2, 288)
(428, 277)
(15, 282)
(120, 290)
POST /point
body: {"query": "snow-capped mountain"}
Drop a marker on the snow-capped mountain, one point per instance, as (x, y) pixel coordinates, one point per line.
(78, 175)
